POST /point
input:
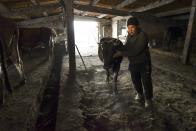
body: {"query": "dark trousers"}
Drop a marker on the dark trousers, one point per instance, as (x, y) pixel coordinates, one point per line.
(141, 75)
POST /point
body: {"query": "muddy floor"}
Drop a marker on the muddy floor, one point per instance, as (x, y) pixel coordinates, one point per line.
(83, 101)
(87, 102)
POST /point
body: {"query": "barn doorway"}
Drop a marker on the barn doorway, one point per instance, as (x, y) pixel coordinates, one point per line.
(86, 37)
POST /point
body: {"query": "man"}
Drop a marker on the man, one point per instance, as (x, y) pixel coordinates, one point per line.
(137, 51)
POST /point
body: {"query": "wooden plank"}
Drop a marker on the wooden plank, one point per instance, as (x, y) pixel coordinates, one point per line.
(153, 5)
(3, 8)
(45, 13)
(181, 17)
(35, 9)
(94, 2)
(49, 7)
(174, 12)
(40, 20)
(101, 16)
(189, 34)
(85, 18)
(81, 2)
(101, 10)
(70, 33)
(4, 11)
(34, 2)
(124, 3)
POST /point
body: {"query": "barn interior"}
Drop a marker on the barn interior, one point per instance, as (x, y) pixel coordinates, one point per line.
(52, 79)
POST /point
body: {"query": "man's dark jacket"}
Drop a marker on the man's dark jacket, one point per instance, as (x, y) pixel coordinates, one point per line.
(136, 48)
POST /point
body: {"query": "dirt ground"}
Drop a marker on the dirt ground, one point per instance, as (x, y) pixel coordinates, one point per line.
(83, 101)
(86, 101)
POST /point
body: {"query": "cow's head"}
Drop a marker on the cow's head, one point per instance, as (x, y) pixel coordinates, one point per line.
(108, 47)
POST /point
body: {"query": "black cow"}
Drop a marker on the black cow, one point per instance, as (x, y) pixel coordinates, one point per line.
(107, 47)
(9, 54)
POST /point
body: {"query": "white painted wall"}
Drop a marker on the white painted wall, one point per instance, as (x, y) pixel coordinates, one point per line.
(114, 29)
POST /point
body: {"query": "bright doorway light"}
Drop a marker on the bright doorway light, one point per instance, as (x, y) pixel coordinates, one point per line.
(86, 37)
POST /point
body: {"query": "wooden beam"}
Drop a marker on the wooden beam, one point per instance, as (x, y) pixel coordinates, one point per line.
(4, 11)
(82, 2)
(94, 2)
(40, 20)
(101, 16)
(70, 33)
(35, 9)
(85, 18)
(3, 8)
(101, 10)
(49, 7)
(174, 12)
(45, 13)
(34, 2)
(153, 5)
(181, 17)
(124, 3)
(189, 34)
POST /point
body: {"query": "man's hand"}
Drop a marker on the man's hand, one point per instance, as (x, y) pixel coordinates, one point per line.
(117, 54)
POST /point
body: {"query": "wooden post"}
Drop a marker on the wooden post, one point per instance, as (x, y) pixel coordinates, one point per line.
(70, 33)
(189, 34)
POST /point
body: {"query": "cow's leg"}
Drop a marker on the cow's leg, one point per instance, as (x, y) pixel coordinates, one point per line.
(107, 76)
(115, 82)
(50, 50)
(116, 69)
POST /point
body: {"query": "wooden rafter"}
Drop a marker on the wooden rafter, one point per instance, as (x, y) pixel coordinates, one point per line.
(100, 10)
(4, 11)
(153, 5)
(34, 2)
(45, 13)
(3, 8)
(35, 9)
(49, 7)
(40, 20)
(174, 12)
(101, 16)
(180, 17)
(94, 2)
(82, 7)
(124, 3)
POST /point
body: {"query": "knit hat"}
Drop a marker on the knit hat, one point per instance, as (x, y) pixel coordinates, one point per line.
(132, 21)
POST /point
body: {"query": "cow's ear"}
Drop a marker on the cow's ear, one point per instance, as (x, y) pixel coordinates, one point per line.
(98, 43)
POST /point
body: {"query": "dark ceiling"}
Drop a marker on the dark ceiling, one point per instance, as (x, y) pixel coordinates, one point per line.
(31, 9)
